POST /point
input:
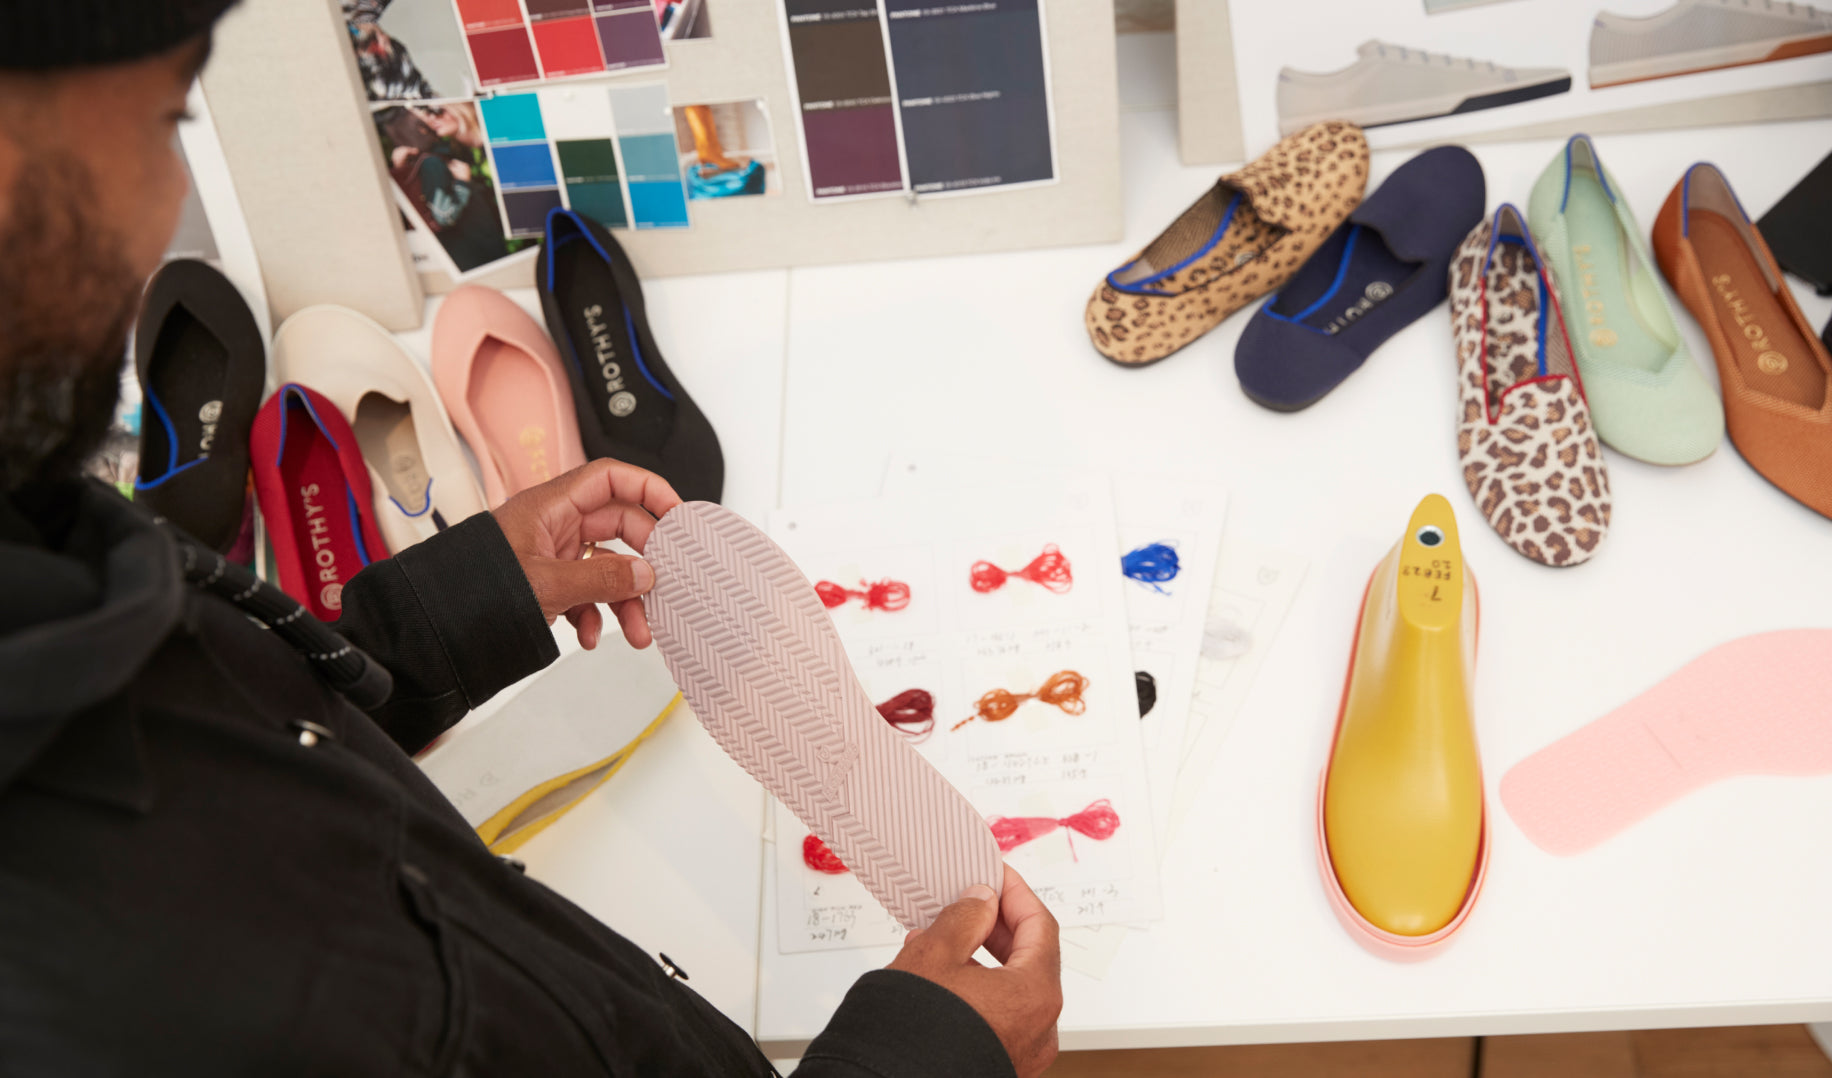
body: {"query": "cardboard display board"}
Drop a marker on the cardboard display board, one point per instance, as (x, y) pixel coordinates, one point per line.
(1208, 100)
(295, 131)
(276, 54)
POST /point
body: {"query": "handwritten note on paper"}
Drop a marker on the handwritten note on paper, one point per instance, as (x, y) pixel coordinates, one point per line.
(1036, 714)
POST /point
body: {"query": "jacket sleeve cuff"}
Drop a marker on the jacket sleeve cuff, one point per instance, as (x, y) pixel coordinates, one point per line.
(896, 1023)
(454, 620)
(480, 605)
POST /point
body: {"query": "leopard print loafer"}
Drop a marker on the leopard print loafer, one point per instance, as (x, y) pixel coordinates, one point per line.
(1243, 238)
(1529, 453)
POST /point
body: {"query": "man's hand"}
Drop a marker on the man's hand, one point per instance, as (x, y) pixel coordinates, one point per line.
(552, 526)
(1020, 999)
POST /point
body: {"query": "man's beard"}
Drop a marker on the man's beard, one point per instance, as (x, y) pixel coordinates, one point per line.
(67, 301)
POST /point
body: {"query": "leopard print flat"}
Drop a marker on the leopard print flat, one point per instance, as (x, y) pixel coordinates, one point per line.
(1243, 238)
(1529, 453)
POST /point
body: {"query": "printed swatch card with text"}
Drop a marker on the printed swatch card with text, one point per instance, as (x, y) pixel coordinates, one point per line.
(912, 95)
(992, 631)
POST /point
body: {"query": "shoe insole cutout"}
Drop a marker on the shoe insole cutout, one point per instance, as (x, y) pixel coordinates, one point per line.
(514, 405)
(1770, 353)
(1609, 313)
(186, 378)
(1350, 276)
(325, 528)
(390, 444)
(625, 404)
(1754, 706)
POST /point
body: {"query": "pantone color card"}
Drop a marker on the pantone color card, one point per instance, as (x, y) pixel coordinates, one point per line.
(844, 100)
(1170, 539)
(526, 180)
(908, 95)
(651, 163)
(973, 93)
(522, 41)
(606, 152)
(998, 646)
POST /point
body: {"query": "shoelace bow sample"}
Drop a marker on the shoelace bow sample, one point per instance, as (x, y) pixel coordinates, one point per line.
(912, 712)
(1098, 821)
(1152, 565)
(889, 595)
(1062, 690)
(1049, 569)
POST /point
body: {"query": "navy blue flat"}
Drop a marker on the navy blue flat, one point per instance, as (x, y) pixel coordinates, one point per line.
(1379, 272)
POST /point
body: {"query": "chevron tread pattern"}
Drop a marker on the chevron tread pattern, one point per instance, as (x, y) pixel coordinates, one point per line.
(756, 654)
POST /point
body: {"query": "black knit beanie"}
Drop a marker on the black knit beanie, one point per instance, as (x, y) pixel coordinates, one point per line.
(40, 35)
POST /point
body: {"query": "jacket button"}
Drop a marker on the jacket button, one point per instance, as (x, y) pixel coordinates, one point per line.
(310, 733)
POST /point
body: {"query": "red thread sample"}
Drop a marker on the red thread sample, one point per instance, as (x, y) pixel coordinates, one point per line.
(884, 595)
(818, 857)
(912, 712)
(1050, 569)
(1098, 822)
(1063, 690)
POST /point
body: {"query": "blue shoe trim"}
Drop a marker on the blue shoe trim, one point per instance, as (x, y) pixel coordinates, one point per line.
(629, 325)
(356, 526)
(1596, 161)
(1141, 287)
(1342, 272)
(287, 393)
(429, 501)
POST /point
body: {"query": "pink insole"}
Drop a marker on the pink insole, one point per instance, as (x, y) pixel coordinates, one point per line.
(323, 530)
(1759, 705)
(513, 404)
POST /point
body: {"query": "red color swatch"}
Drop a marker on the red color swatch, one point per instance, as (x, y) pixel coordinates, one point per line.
(568, 46)
(489, 14)
(503, 56)
(912, 712)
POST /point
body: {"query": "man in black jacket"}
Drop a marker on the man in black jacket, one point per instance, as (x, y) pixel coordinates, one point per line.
(211, 861)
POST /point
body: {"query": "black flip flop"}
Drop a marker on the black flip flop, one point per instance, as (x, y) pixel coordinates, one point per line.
(202, 366)
(630, 405)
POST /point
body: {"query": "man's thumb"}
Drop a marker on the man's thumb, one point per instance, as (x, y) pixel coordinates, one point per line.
(961, 928)
(602, 578)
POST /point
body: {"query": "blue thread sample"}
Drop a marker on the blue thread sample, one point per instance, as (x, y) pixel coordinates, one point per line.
(1152, 565)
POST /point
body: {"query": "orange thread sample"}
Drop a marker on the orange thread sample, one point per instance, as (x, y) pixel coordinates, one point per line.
(1050, 569)
(912, 712)
(1098, 822)
(884, 595)
(818, 857)
(1062, 690)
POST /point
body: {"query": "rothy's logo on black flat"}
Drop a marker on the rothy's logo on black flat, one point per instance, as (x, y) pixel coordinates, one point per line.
(621, 402)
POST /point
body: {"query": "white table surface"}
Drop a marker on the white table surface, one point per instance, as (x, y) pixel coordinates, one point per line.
(1712, 912)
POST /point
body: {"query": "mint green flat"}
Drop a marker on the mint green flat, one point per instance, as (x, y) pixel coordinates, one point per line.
(1647, 397)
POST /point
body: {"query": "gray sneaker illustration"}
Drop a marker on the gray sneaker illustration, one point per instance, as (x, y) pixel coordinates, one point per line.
(1703, 35)
(1393, 84)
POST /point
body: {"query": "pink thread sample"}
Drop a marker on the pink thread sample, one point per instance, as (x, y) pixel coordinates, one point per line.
(818, 857)
(1098, 821)
(1063, 690)
(888, 595)
(912, 712)
(1049, 569)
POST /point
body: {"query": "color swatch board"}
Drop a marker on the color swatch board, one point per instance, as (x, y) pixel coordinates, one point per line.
(514, 41)
(606, 152)
(932, 98)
